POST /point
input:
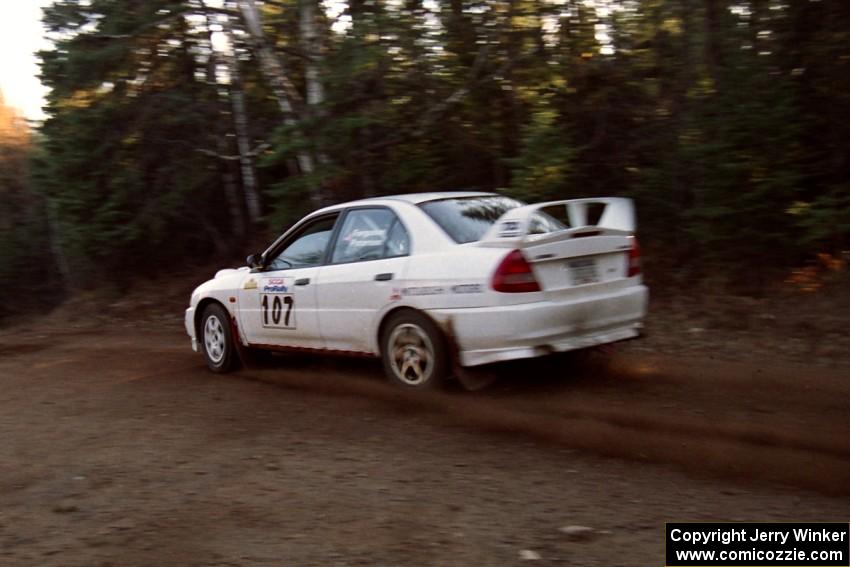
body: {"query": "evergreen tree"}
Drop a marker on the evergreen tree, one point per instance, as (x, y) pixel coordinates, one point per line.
(26, 265)
(175, 125)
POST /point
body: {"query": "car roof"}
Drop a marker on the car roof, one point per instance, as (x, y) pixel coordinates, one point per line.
(417, 198)
(414, 198)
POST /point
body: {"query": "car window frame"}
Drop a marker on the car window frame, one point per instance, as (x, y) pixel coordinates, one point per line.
(294, 233)
(341, 221)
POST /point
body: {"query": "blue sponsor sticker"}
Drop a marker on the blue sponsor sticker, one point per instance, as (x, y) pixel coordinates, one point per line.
(275, 285)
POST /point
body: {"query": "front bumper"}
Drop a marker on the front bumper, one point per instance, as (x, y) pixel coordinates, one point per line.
(491, 334)
(189, 323)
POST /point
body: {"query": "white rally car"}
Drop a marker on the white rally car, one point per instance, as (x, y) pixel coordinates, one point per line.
(430, 282)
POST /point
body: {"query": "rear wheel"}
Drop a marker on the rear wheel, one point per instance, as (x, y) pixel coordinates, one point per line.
(217, 340)
(414, 351)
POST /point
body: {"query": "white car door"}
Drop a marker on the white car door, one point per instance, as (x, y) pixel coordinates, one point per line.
(367, 261)
(277, 305)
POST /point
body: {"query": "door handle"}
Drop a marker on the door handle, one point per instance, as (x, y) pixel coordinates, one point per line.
(384, 277)
(302, 281)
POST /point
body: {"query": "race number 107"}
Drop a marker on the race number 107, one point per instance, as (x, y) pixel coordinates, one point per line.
(278, 310)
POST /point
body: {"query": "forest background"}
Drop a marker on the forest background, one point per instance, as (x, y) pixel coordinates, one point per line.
(185, 132)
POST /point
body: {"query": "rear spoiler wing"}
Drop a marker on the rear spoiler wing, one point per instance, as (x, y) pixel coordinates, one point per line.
(617, 218)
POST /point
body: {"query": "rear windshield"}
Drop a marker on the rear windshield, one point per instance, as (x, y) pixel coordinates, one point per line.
(466, 219)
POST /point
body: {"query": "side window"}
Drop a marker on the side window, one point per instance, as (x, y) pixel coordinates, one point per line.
(307, 248)
(398, 244)
(370, 234)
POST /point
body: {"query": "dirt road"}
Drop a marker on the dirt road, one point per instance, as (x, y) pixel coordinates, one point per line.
(119, 448)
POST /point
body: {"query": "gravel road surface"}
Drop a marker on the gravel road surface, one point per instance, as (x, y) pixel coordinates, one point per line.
(117, 447)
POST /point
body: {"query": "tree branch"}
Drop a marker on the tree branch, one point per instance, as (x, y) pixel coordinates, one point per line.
(253, 153)
(156, 23)
(432, 114)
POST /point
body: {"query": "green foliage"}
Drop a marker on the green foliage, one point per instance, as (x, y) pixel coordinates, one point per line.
(827, 220)
(726, 121)
(25, 259)
(545, 162)
(129, 111)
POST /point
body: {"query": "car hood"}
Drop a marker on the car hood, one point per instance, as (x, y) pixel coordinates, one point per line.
(230, 271)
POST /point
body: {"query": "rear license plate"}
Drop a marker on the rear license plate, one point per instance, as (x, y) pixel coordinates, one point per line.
(583, 271)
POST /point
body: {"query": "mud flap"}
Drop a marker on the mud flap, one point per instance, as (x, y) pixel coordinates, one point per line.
(472, 379)
(249, 358)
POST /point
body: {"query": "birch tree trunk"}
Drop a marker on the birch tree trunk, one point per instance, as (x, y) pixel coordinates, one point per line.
(246, 161)
(240, 125)
(286, 95)
(231, 192)
(311, 46)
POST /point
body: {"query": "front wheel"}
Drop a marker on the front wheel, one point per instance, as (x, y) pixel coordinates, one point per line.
(414, 351)
(217, 340)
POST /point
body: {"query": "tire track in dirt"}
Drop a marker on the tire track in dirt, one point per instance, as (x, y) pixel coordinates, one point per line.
(816, 459)
(624, 411)
(836, 444)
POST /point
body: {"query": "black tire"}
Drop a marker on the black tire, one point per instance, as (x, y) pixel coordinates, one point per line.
(216, 339)
(419, 357)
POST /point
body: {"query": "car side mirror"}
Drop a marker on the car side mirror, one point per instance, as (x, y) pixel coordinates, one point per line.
(254, 261)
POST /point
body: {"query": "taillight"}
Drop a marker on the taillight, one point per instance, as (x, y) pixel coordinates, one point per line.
(634, 259)
(514, 275)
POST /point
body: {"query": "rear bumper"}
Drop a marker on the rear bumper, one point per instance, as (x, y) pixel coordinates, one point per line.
(492, 334)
